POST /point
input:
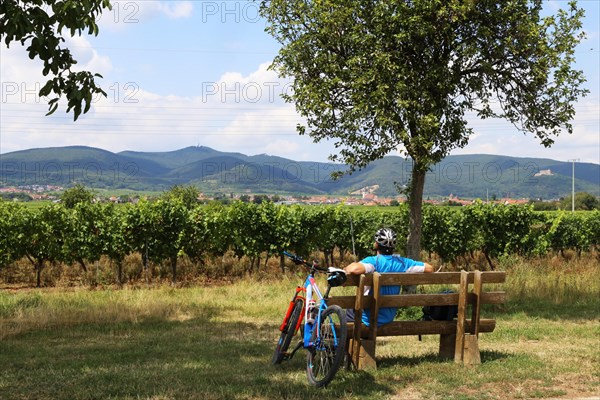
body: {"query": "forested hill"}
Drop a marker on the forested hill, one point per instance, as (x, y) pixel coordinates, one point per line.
(215, 171)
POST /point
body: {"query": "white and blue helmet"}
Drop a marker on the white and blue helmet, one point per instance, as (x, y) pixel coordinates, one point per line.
(386, 238)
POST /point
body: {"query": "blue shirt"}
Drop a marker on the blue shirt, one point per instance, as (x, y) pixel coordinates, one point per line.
(383, 264)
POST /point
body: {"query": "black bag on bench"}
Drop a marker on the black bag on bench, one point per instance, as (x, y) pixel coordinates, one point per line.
(440, 313)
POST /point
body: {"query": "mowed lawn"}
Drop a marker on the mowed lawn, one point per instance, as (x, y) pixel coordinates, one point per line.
(216, 342)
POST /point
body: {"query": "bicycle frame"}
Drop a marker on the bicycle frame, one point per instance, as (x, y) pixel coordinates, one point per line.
(310, 287)
(305, 293)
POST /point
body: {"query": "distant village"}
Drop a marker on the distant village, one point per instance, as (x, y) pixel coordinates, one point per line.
(363, 197)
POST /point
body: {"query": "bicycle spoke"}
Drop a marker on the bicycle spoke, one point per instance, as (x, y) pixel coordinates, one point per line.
(326, 356)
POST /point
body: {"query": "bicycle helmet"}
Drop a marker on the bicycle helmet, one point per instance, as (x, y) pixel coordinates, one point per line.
(336, 277)
(386, 239)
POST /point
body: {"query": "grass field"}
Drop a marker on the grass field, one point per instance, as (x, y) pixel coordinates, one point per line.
(216, 342)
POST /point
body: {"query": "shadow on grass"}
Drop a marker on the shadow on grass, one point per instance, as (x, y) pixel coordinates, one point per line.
(198, 358)
(580, 308)
(434, 358)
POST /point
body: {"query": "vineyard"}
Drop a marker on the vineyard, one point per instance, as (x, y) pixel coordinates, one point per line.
(166, 236)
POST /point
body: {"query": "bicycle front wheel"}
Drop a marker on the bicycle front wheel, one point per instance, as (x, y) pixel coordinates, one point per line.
(329, 346)
(287, 333)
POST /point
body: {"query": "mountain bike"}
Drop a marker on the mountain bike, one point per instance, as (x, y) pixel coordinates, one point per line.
(324, 332)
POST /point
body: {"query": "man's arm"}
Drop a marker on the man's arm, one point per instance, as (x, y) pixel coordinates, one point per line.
(420, 267)
(428, 268)
(356, 268)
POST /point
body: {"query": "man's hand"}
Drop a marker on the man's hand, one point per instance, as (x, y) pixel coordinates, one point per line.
(356, 268)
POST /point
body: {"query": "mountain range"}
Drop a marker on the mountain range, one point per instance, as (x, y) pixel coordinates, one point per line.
(213, 171)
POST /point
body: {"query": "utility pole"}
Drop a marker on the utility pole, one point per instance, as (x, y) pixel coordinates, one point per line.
(573, 185)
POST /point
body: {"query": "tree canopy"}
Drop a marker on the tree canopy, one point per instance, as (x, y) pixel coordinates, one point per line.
(583, 201)
(187, 195)
(40, 25)
(76, 195)
(380, 76)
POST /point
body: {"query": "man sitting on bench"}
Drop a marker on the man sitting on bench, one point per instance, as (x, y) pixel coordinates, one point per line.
(383, 262)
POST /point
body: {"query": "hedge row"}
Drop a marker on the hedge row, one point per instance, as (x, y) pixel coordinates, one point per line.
(164, 230)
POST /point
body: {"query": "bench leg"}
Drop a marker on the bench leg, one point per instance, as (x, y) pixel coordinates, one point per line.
(472, 356)
(365, 358)
(447, 346)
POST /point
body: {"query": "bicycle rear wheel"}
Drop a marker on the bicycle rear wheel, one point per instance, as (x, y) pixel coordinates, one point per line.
(287, 333)
(327, 354)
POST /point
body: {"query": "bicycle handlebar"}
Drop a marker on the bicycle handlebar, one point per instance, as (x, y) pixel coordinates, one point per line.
(296, 259)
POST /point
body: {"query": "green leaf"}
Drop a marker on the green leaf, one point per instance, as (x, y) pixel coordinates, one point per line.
(53, 106)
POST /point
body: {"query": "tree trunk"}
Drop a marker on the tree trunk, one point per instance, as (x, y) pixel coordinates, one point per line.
(415, 216)
(326, 255)
(39, 265)
(174, 269)
(82, 263)
(119, 272)
(254, 264)
(282, 263)
(415, 219)
(145, 267)
(489, 260)
(145, 259)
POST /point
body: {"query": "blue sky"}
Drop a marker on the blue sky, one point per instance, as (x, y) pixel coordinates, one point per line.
(187, 73)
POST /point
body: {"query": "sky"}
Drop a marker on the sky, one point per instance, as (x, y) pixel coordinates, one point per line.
(196, 73)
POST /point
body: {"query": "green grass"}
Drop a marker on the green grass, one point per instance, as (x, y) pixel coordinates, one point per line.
(216, 342)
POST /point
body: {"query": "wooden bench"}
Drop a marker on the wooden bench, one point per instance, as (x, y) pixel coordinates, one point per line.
(458, 338)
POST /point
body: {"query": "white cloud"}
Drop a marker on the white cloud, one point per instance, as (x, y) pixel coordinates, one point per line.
(88, 59)
(17, 66)
(260, 87)
(233, 119)
(239, 113)
(127, 14)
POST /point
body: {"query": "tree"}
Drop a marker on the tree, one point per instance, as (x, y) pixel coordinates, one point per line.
(583, 201)
(39, 24)
(569, 231)
(188, 195)
(260, 198)
(84, 243)
(139, 229)
(155, 230)
(45, 232)
(249, 230)
(76, 195)
(113, 237)
(380, 76)
(500, 229)
(171, 218)
(12, 237)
